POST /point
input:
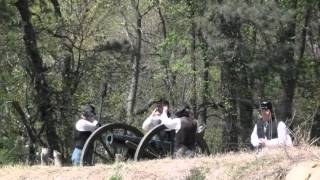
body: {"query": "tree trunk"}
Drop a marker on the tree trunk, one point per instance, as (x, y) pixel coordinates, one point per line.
(56, 7)
(193, 99)
(245, 106)
(230, 129)
(136, 57)
(32, 135)
(245, 91)
(231, 82)
(36, 72)
(288, 76)
(169, 77)
(315, 129)
(205, 80)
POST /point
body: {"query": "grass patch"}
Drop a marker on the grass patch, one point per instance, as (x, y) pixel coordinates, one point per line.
(117, 174)
(115, 177)
(197, 174)
(264, 168)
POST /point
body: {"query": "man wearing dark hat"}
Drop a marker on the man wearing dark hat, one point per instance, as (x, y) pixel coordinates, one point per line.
(185, 128)
(84, 127)
(154, 118)
(268, 132)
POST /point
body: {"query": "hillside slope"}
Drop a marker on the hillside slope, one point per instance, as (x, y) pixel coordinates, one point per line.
(271, 164)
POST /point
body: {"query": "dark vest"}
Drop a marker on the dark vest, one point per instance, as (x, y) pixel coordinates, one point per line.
(267, 129)
(81, 138)
(186, 136)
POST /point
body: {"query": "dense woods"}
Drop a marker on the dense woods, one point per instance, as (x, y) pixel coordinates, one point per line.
(220, 56)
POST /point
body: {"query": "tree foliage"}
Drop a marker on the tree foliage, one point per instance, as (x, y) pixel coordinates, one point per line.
(221, 56)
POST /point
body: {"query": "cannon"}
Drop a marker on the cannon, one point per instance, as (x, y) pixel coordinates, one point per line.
(114, 139)
(98, 148)
(130, 141)
(162, 149)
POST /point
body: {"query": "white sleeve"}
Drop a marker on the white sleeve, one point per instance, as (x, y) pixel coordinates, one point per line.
(170, 123)
(150, 122)
(254, 137)
(146, 123)
(283, 135)
(84, 125)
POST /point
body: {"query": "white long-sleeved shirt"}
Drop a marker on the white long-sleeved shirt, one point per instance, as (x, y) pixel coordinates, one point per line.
(151, 122)
(283, 137)
(170, 123)
(85, 125)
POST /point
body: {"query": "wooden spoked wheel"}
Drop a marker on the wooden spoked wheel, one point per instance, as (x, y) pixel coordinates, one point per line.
(104, 145)
(159, 143)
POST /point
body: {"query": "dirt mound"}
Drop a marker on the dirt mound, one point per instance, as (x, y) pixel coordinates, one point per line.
(266, 164)
(305, 170)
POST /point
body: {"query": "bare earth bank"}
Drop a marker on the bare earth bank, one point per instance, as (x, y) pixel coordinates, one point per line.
(266, 164)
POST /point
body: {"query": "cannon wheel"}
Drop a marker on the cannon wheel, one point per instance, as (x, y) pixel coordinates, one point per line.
(96, 150)
(146, 149)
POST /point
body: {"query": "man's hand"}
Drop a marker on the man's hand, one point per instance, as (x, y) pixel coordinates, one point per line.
(165, 109)
(155, 112)
(262, 142)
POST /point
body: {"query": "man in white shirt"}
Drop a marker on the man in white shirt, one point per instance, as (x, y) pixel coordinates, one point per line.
(84, 127)
(154, 118)
(267, 132)
(185, 128)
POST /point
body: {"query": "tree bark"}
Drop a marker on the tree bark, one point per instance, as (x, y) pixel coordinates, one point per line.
(205, 80)
(169, 76)
(37, 74)
(231, 88)
(136, 57)
(288, 76)
(56, 7)
(193, 99)
(315, 129)
(193, 36)
(230, 129)
(245, 104)
(32, 135)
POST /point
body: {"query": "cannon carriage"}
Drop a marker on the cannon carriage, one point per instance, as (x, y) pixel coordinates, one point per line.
(116, 140)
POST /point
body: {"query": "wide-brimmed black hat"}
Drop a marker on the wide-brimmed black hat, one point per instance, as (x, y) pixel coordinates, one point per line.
(89, 110)
(160, 104)
(183, 111)
(266, 105)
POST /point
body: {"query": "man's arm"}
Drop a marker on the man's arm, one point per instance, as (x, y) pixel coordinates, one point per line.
(170, 123)
(283, 136)
(146, 123)
(150, 122)
(254, 137)
(84, 125)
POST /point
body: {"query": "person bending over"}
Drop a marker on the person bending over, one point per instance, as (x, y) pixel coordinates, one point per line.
(185, 128)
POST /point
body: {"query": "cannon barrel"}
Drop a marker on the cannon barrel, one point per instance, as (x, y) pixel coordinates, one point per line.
(121, 139)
